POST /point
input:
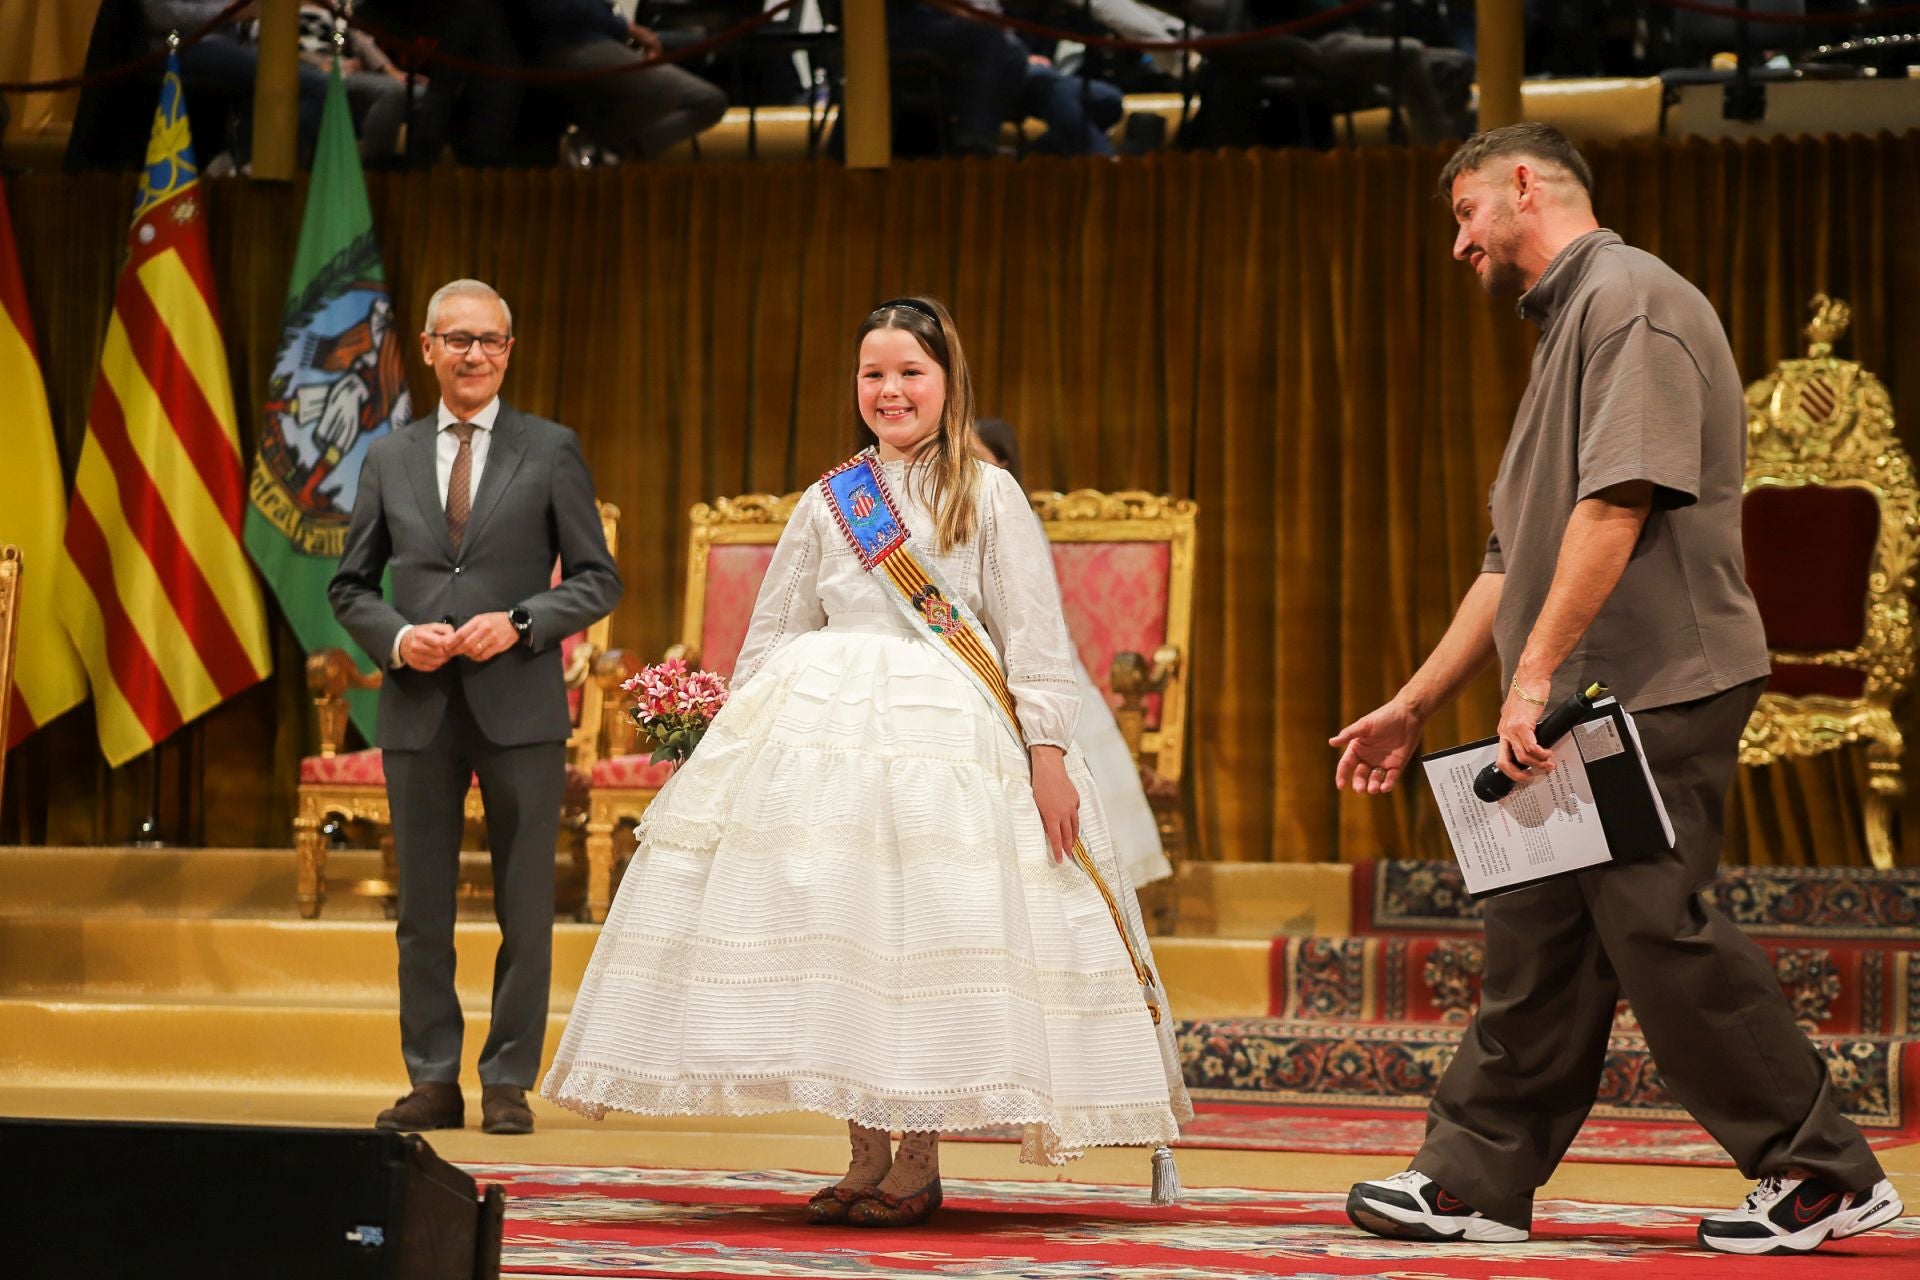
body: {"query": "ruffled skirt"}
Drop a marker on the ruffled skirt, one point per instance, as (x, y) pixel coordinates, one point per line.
(844, 903)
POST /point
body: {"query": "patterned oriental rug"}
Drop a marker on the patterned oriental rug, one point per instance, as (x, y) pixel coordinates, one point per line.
(1397, 1131)
(568, 1221)
(1371, 1019)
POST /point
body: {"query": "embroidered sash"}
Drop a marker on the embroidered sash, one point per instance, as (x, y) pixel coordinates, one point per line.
(864, 508)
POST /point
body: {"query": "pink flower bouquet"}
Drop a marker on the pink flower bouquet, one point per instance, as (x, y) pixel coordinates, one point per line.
(674, 706)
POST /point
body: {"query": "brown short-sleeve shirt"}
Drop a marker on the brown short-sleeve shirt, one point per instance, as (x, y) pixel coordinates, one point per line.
(1633, 380)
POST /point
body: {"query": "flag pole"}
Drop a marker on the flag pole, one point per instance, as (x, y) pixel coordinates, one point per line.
(147, 834)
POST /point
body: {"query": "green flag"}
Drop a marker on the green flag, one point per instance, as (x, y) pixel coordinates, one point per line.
(339, 384)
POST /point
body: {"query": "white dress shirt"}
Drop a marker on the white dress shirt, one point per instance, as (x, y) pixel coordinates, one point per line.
(446, 447)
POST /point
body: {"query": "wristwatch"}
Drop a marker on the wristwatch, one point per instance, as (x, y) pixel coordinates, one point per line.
(522, 621)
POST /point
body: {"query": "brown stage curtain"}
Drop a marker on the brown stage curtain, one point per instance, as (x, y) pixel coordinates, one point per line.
(1282, 336)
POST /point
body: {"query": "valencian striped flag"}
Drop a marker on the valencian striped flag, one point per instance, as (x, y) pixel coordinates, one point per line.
(47, 675)
(156, 590)
(339, 383)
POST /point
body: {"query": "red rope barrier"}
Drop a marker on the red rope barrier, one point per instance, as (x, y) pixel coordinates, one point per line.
(1201, 44)
(145, 61)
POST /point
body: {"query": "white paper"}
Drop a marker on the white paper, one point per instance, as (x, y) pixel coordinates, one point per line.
(1541, 828)
(1659, 805)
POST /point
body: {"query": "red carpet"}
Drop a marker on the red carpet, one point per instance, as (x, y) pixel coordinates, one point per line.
(566, 1221)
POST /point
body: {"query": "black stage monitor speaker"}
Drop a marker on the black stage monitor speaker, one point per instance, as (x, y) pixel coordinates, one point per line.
(102, 1200)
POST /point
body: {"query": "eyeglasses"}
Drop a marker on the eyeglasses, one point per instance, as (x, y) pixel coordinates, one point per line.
(460, 341)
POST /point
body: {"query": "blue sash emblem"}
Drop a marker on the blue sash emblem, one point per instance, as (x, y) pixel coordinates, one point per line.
(864, 509)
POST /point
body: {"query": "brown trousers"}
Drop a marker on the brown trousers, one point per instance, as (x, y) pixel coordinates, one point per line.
(1561, 953)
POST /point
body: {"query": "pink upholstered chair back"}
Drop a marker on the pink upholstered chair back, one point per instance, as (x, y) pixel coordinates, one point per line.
(731, 547)
(734, 573)
(1115, 596)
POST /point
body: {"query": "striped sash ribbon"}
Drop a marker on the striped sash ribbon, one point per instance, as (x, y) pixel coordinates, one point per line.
(864, 508)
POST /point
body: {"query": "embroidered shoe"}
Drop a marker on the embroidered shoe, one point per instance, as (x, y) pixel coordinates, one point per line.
(879, 1209)
(1798, 1215)
(1412, 1206)
(829, 1205)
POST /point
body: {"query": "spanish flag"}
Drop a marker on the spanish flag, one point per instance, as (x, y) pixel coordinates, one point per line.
(156, 589)
(47, 675)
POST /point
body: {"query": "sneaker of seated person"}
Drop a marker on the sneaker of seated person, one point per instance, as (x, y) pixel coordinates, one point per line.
(1798, 1215)
(1412, 1206)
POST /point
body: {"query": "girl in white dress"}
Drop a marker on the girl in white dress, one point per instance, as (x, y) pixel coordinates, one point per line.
(860, 896)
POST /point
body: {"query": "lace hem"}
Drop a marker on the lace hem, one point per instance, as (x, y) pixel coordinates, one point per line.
(1050, 1135)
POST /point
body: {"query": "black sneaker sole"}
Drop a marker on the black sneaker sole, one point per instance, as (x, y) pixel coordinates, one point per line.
(1784, 1250)
(1362, 1214)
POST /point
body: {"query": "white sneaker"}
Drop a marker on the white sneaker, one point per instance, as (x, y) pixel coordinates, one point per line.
(1412, 1206)
(1798, 1215)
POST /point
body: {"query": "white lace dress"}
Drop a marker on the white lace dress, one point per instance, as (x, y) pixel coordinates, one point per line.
(844, 901)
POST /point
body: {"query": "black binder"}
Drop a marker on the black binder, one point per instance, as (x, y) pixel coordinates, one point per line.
(1629, 814)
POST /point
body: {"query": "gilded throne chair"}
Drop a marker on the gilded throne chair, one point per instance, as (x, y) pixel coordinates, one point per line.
(1831, 527)
(1125, 562)
(341, 789)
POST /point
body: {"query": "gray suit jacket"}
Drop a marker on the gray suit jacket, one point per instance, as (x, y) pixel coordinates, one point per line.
(534, 506)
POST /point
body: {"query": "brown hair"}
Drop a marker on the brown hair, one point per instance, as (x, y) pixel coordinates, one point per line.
(949, 482)
(1532, 139)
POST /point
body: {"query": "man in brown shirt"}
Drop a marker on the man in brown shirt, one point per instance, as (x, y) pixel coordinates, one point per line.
(1615, 556)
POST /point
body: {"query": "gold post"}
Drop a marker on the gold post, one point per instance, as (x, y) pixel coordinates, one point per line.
(276, 93)
(868, 108)
(10, 571)
(1501, 36)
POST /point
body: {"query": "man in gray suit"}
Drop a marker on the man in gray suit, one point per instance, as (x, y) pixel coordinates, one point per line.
(468, 509)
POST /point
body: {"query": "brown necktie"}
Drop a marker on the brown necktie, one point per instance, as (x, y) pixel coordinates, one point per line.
(460, 484)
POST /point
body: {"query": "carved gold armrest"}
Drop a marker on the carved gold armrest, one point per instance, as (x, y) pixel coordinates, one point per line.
(1133, 678)
(611, 670)
(687, 653)
(330, 673)
(580, 665)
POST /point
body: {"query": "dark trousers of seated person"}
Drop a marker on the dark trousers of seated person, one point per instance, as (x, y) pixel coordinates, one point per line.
(1560, 954)
(475, 113)
(522, 788)
(988, 65)
(1077, 112)
(642, 113)
(222, 68)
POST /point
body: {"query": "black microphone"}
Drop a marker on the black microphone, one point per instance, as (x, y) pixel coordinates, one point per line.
(1493, 785)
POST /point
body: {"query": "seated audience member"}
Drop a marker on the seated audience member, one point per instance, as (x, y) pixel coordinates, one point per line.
(987, 65)
(636, 115)
(1077, 111)
(477, 114)
(376, 88)
(217, 73)
(1129, 70)
(1434, 83)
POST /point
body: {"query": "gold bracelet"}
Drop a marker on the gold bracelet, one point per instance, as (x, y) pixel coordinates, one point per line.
(1525, 696)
